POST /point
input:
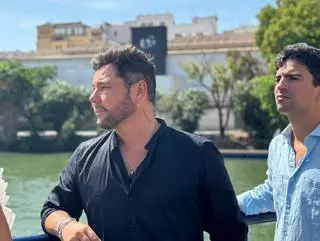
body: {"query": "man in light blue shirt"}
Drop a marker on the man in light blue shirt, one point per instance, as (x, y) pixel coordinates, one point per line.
(292, 187)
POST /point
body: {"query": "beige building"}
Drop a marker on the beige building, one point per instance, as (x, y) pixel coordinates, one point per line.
(200, 34)
(69, 35)
(121, 33)
(66, 35)
(73, 62)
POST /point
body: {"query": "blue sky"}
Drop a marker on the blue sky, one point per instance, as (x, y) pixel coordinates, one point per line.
(18, 19)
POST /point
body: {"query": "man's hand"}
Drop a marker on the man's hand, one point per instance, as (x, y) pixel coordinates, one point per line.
(75, 231)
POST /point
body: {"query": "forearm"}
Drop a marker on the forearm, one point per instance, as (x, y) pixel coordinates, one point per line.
(60, 224)
(4, 228)
(256, 201)
(53, 221)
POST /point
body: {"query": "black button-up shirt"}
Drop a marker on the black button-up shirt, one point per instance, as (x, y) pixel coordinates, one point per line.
(179, 190)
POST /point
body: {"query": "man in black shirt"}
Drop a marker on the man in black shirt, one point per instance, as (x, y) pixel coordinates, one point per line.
(141, 181)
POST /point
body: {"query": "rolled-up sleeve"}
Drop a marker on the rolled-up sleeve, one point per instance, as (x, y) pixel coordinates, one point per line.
(220, 211)
(259, 199)
(65, 195)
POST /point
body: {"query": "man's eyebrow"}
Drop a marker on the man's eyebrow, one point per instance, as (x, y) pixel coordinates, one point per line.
(289, 74)
(99, 83)
(293, 75)
(102, 81)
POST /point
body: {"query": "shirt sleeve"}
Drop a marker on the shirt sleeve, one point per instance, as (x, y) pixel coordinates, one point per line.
(221, 214)
(259, 199)
(64, 196)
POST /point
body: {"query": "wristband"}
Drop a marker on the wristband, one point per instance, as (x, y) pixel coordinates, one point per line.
(62, 225)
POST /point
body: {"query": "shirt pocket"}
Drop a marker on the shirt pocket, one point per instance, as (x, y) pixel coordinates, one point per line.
(279, 185)
(310, 203)
(311, 200)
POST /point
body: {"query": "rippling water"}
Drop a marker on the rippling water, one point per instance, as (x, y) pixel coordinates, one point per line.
(30, 177)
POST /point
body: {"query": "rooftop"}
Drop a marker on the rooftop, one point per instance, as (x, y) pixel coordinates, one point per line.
(71, 24)
(192, 44)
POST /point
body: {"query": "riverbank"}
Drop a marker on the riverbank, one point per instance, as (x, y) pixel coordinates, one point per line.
(235, 143)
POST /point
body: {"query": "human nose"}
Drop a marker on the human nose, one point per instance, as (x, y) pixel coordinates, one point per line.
(94, 97)
(282, 83)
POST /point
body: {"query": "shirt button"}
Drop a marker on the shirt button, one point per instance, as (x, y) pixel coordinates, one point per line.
(131, 226)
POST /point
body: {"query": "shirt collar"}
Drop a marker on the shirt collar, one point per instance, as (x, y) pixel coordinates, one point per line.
(316, 131)
(287, 132)
(115, 140)
(152, 142)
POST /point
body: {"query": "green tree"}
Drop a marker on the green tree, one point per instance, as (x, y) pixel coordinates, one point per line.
(20, 93)
(12, 86)
(158, 100)
(257, 122)
(290, 21)
(223, 77)
(37, 79)
(244, 66)
(262, 89)
(185, 108)
(188, 109)
(63, 102)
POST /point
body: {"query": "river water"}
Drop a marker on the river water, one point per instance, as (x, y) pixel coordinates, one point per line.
(31, 176)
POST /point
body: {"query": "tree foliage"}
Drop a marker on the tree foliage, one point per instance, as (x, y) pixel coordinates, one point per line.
(185, 108)
(62, 101)
(20, 95)
(262, 89)
(290, 21)
(239, 66)
(35, 95)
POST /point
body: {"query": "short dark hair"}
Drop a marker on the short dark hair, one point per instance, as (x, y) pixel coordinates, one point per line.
(131, 65)
(305, 54)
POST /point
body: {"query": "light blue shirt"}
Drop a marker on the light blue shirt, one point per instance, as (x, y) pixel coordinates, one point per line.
(293, 192)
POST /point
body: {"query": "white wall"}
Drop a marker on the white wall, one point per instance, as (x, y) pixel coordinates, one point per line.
(75, 71)
(78, 71)
(118, 33)
(191, 29)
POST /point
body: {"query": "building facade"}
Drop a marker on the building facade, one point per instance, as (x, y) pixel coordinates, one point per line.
(121, 33)
(72, 61)
(66, 35)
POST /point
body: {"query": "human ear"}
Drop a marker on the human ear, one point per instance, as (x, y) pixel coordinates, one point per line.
(140, 91)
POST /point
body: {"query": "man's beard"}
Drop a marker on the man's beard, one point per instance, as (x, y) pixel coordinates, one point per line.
(122, 111)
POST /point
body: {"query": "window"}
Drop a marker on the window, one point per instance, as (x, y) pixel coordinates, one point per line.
(69, 31)
(44, 31)
(115, 33)
(78, 31)
(59, 31)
